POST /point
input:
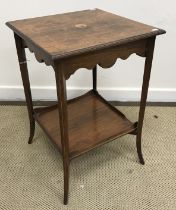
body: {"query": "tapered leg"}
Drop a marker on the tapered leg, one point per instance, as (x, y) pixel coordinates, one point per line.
(146, 78)
(94, 75)
(63, 117)
(66, 181)
(26, 83)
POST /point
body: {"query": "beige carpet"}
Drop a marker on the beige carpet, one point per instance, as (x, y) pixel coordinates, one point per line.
(109, 177)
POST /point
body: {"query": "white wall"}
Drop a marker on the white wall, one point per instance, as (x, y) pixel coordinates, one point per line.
(122, 82)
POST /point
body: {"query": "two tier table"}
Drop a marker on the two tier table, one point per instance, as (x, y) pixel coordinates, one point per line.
(83, 39)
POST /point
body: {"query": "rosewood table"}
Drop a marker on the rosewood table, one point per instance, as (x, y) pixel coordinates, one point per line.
(76, 40)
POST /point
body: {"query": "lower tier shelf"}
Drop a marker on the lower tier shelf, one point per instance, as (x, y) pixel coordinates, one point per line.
(92, 121)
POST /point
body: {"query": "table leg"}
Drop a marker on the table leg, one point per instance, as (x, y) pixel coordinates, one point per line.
(26, 84)
(146, 78)
(94, 74)
(63, 118)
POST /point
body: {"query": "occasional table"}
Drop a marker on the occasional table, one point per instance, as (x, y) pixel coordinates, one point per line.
(76, 40)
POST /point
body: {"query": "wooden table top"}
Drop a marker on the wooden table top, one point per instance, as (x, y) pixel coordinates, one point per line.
(73, 33)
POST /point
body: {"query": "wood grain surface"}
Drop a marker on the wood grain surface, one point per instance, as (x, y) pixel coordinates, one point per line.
(73, 33)
(91, 122)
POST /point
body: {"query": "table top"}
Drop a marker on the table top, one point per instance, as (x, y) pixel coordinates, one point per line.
(69, 34)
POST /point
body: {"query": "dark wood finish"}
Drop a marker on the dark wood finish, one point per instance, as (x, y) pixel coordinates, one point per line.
(105, 58)
(49, 37)
(94, 75)
(63, 123)
(26, 84)
(146, 78)
(76, 40)
(91, 122)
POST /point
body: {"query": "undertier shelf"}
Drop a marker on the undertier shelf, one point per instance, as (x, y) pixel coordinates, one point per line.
(92, 121)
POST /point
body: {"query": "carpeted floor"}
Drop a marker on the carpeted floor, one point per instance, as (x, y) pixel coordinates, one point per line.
(107, 178)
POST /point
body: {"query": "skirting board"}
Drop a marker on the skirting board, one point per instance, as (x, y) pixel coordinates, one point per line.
(48, 93)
